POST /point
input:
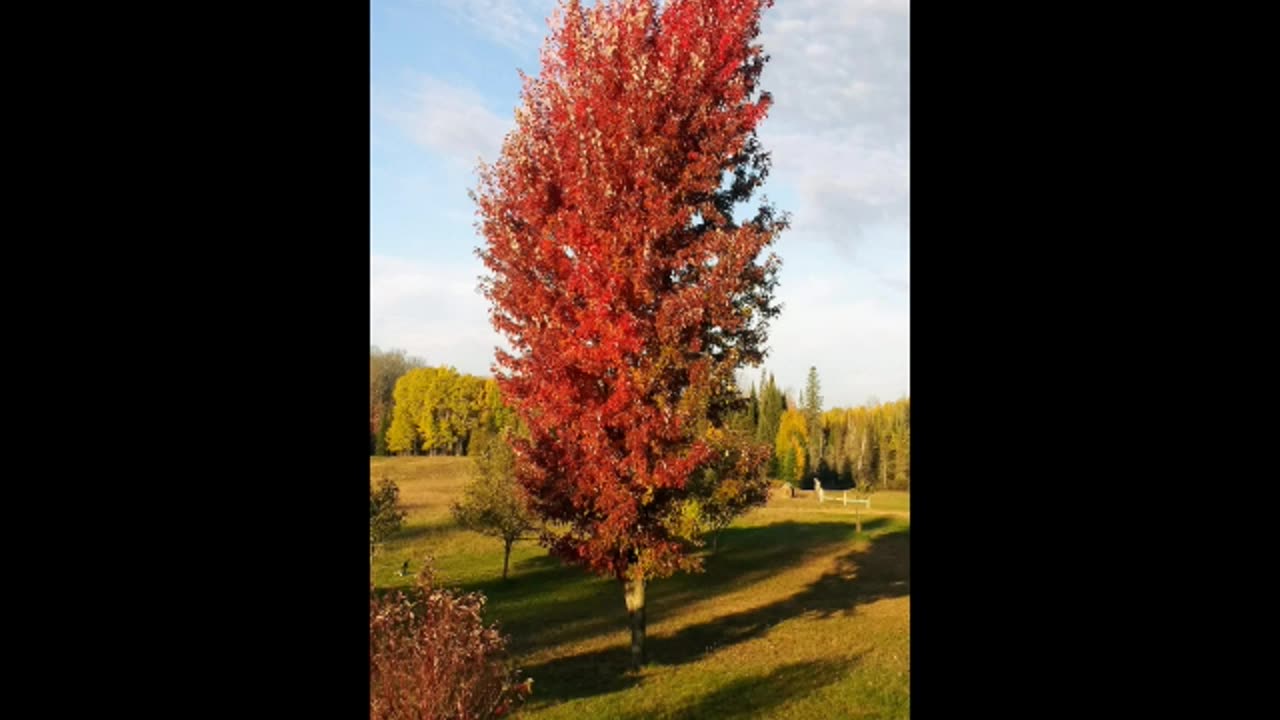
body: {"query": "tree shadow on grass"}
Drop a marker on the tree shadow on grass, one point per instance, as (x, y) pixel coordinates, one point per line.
(754, 696)
(749, 554)
(423, 530)
(546, 603)
(860, 577)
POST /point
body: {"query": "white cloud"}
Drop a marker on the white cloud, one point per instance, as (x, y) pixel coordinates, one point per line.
(450, 121)
(897, 277)
(839, 133)
(839, 129)
(517, 24)
(859, 344)
(433, 311)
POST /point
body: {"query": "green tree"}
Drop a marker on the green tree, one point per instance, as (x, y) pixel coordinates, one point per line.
(730, 485)
(385, 517)
(493, 503)
(772, 405)
(380, 445)
(754, 414)
(743, 419)
(813, 420)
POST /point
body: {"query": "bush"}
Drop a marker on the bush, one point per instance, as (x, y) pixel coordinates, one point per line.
(432, 658)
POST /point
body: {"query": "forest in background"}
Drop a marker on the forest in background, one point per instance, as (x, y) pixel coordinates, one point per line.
(415, 409)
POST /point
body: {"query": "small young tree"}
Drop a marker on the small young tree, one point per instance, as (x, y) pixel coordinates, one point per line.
(733, 483)
(384, 517)
(493, 503)
(431, 657)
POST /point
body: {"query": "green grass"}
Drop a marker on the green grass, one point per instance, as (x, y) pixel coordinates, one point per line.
(794, 616)
(885, 501)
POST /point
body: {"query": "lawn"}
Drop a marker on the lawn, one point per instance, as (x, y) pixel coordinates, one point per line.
(794, 616)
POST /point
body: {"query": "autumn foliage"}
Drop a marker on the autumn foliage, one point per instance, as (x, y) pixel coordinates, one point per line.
(440, 410)
(432, 658)
(628, 290)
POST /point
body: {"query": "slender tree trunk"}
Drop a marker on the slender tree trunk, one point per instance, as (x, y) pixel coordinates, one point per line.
(633, 587)
(506, 560)
(715, 541)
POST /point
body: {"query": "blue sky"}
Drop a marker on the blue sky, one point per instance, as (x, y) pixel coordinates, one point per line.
(443, 88)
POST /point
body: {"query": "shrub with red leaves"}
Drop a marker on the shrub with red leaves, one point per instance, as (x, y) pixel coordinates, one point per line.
(432, 658)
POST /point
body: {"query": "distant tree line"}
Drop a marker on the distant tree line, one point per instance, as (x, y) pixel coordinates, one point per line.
(419, 410)
(866, 447)
(385, 368)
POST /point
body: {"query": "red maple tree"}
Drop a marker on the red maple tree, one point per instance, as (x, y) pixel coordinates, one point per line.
(626, 287)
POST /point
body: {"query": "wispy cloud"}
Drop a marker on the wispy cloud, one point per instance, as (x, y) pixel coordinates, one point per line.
(898, 277)
(860, 344)
(840, 127)
(451, 121)
(433, 311)
(517, 24)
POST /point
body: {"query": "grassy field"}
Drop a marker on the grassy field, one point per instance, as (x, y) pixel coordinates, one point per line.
(795, 617)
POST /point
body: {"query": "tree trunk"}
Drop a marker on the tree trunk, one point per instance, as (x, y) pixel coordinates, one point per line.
(633, 588)
(506, 560)
(715, 541)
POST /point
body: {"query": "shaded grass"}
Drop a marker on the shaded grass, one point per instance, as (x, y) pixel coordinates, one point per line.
(859, 576)
(794, 616)
(754, 695)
